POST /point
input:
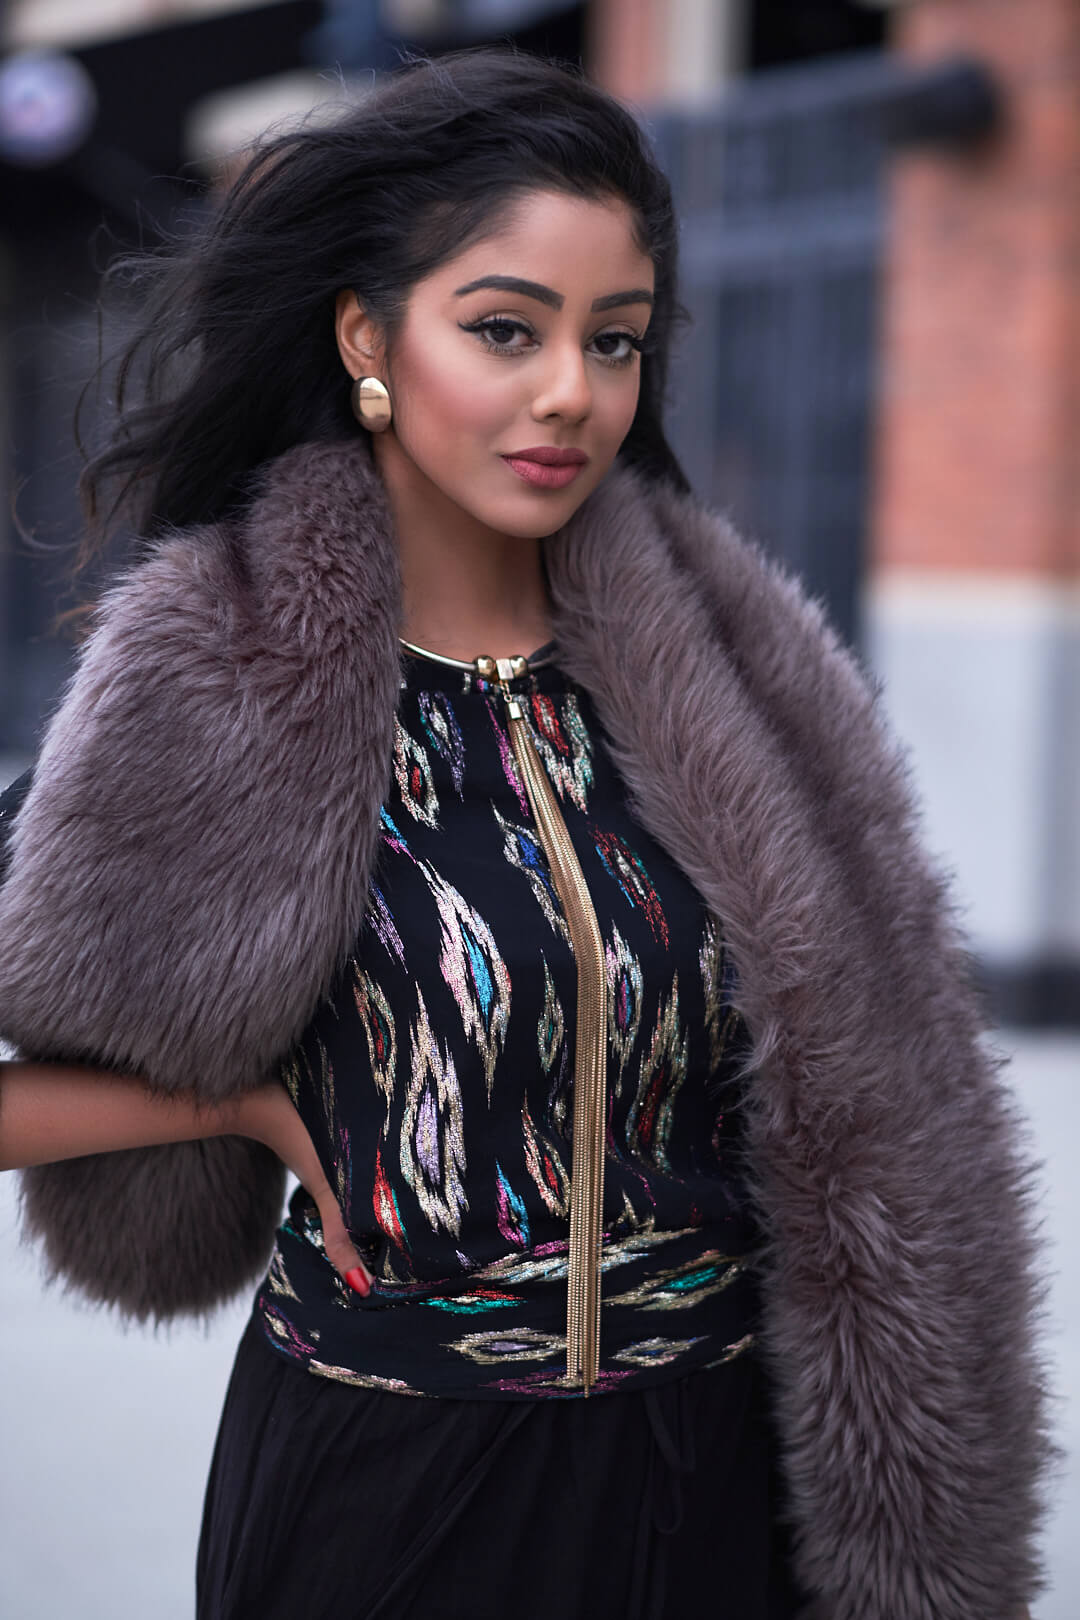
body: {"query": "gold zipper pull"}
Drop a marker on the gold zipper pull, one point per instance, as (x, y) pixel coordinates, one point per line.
(590, 1053)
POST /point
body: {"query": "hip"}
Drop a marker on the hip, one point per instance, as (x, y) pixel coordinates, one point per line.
(335, 1501)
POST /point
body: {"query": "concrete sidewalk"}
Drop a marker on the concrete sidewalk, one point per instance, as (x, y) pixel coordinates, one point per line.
(108, 1435)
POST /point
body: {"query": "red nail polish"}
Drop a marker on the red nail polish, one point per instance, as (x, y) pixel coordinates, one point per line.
(356, 1279)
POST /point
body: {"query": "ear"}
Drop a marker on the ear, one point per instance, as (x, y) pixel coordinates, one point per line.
(358, 339)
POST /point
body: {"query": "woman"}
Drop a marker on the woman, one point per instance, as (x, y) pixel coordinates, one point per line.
(448, 807)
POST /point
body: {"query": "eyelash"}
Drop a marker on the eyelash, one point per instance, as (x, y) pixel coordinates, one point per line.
(481, 328)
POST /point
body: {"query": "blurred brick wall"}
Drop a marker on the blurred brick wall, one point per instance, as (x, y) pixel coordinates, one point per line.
(978, 459)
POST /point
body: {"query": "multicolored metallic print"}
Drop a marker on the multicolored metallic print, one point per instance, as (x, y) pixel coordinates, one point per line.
(470, 963)
(563, 744)
(624, 1002)
(436, 1081)
(432, 1128)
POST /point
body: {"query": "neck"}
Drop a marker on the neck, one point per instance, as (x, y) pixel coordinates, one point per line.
(467, 589)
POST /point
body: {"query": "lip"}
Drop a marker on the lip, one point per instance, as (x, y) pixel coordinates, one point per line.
(549, 455)
(545, 466)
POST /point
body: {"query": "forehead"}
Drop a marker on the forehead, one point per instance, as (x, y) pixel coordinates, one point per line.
(580, 246)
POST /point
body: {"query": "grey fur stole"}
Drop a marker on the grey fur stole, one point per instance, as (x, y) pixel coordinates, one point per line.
(191, 865)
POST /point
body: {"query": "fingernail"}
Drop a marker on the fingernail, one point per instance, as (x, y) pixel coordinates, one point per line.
(356, 1279)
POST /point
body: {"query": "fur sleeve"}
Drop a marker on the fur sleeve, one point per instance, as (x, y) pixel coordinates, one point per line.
(191, 862)
(951, 1215)
(103, 958)
(902, 1288)
(154, 1232)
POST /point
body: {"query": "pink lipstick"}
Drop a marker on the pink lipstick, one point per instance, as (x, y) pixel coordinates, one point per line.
(546, 466)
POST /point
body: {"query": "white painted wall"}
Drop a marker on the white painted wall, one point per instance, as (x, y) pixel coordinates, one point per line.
(704, 41)
(983, 684)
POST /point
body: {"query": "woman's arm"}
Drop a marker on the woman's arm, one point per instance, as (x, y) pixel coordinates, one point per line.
(51, 1111)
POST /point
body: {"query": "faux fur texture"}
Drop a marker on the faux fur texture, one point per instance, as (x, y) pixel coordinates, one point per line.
(191, 863)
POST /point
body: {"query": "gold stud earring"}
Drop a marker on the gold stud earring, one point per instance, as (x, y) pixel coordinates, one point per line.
(371, 404)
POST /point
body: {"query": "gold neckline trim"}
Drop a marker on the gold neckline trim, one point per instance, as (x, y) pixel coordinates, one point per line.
(536, 660)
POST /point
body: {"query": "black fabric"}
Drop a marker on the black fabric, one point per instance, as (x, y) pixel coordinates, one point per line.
(436, 1080)
(328, 1502)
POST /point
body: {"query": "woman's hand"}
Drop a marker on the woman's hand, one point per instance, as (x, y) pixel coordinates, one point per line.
(52, 1111)
(268, 1115)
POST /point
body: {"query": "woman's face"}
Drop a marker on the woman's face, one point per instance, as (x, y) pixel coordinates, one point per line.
(525, 342)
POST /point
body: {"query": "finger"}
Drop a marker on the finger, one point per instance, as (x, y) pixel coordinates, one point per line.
(271, 1117)
(337, 1243)
(339, 1247)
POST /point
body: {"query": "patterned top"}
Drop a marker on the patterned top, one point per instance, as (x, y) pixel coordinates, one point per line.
(435, 1080)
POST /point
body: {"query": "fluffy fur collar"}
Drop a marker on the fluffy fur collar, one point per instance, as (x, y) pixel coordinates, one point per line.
(191, 863)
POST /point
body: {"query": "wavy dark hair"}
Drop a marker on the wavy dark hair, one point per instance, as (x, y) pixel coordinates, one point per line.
(233, 358)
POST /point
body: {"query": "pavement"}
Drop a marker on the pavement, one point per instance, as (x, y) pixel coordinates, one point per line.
(107, 1433)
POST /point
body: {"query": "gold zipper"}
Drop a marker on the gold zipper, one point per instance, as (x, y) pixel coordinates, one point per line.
(590, 1054)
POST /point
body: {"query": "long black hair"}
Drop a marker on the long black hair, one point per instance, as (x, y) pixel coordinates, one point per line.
(233, 357)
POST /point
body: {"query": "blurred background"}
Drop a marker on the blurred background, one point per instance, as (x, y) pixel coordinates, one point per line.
(880, 211)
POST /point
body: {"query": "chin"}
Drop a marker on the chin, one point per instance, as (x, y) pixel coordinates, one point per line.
(530, 517)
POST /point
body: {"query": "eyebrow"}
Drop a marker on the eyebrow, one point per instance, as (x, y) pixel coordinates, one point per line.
(547, 295)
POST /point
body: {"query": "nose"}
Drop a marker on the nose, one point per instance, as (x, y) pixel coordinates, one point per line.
(564, 389)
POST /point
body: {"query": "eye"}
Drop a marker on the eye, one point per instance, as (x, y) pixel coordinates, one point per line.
(617, 356)
(496, 332)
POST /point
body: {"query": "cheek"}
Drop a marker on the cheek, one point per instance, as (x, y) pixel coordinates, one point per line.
(619, 404)
(450, 400)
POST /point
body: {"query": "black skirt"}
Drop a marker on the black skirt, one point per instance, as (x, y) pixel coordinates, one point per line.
(330, 1502)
